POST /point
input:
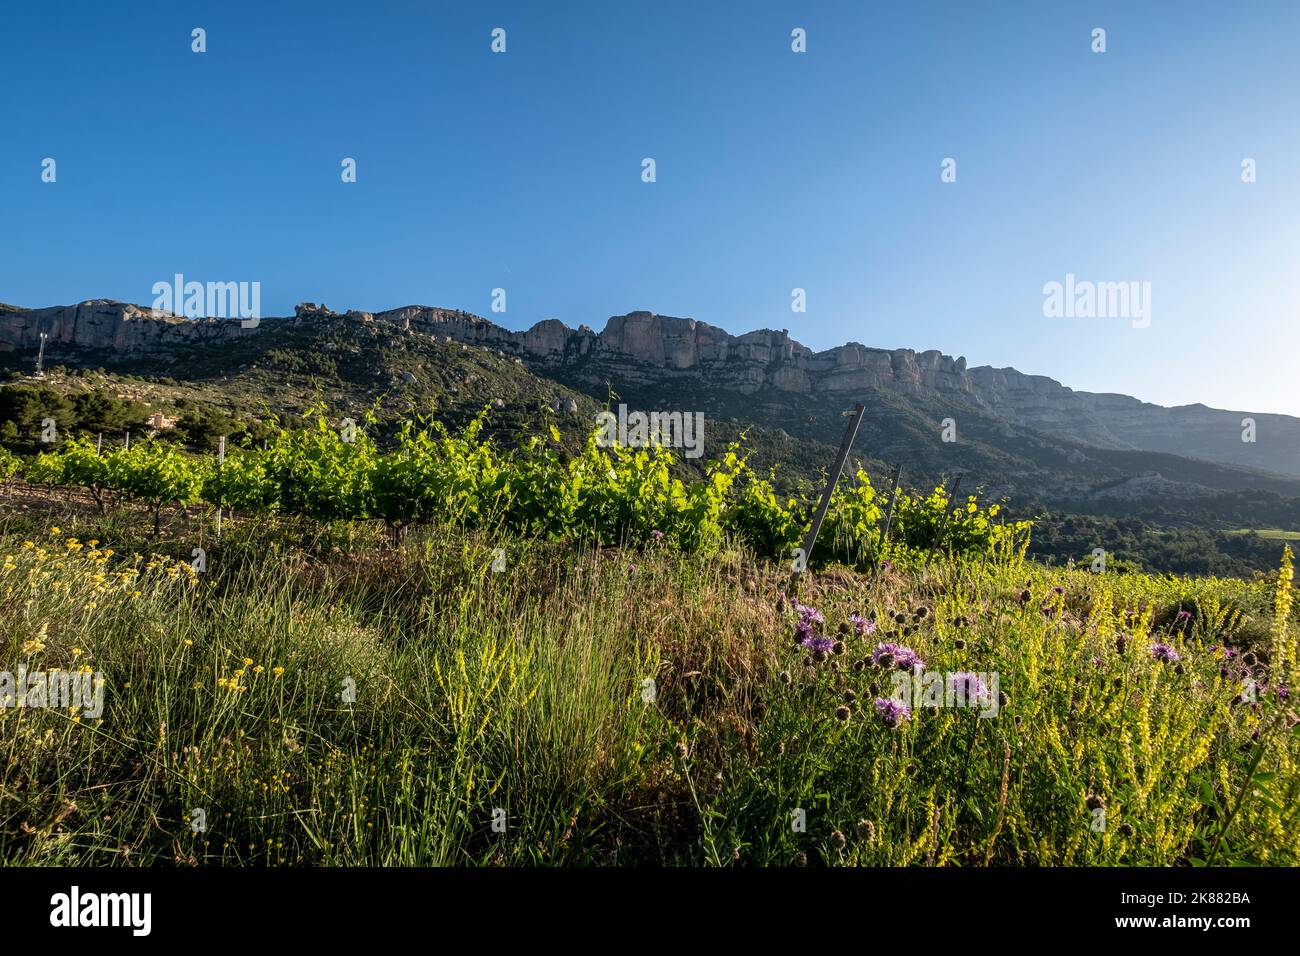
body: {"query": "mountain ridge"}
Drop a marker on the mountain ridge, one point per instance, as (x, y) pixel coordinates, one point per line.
(643, 349)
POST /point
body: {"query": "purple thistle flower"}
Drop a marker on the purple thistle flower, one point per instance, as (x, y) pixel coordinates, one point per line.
(1163, 652)
(809, 614)
(818, 643)
(862, 626)
(657, 535)
(1058, 590)
(969, 686)
(1183, 616)
(895, 655)
(892, 712)
(887, 565)
(803, 632)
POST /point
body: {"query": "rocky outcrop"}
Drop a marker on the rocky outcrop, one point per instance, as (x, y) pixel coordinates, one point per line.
(110, 326)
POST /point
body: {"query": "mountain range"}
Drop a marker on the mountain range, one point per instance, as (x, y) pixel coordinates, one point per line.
(1027, 437)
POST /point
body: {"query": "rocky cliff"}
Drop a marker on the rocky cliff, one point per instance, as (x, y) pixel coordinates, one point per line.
(650, 349)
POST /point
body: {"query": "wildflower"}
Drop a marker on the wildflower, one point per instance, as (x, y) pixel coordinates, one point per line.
(1095, 802)
(862, 626)
(892, 712)
(657, 535)
(837, 647)
(1164, 653)
(682, 751)
(55, 531)
(277, 671)
(809, 615)
(34, 646)
(821, 645)
(887, 565)
(258, 669)
(867, 831)
(803, 632)
(895, 655)
(969, 686)
(843, 713)
(1183, 616)
(837, 840)
(784, 676)
(248, 662)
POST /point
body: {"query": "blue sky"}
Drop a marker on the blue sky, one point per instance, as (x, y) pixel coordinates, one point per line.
(775, 170)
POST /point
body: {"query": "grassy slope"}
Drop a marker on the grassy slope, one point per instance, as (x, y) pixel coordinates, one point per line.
(526, 690)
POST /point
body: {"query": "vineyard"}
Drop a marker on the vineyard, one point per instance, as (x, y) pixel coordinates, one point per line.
(606, 495)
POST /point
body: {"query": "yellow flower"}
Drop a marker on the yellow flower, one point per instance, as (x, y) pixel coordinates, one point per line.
(92, 542)
(29, 545)
(248, 662)
(188, 642)
(55, 531)
(277, 671)
(258, 669)
(76, 652)
(33, 647)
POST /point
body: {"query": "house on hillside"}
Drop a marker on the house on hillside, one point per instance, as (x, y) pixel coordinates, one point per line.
(160, 422)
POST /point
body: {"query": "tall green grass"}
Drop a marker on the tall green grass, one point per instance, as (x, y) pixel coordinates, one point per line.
(621, 706)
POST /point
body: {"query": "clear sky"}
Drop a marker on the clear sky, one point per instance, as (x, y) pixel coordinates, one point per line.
(775, 170)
